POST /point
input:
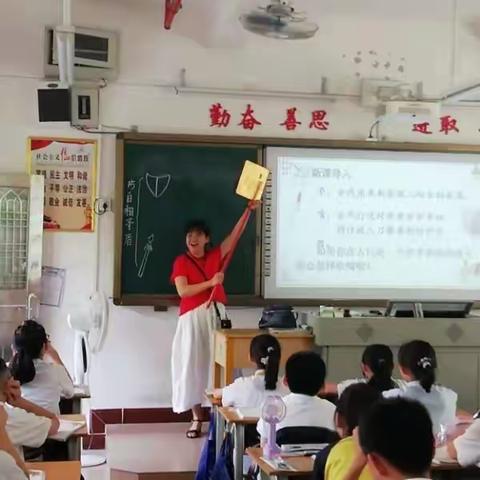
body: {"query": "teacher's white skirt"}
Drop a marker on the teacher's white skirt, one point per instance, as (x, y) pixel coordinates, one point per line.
(192, 357)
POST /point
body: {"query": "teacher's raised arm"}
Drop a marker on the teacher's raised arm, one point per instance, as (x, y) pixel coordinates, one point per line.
(237, 231)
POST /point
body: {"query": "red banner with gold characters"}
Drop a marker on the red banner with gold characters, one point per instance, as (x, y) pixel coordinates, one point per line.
(69, 169)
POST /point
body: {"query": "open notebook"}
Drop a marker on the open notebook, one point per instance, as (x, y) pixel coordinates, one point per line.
(67, 428)
(249, 412)
(37, 475)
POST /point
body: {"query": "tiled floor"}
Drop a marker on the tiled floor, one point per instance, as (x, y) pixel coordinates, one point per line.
(152, 448)
(147, 448)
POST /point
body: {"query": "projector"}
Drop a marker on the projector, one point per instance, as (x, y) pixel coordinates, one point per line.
(419, 109)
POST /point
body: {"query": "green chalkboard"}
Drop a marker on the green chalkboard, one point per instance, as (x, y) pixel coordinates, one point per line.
(163, 186)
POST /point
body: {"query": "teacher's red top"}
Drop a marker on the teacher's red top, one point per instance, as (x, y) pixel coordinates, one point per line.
(210, 264)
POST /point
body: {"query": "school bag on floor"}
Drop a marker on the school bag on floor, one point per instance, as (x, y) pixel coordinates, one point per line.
(207, 456)
(223, 469)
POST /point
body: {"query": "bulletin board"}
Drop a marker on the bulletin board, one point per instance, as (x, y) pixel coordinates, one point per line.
(69, 168)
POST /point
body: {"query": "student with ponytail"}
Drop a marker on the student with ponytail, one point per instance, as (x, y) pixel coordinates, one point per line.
(38, 367)
(418, 363)
(251, 391)
(377, 367)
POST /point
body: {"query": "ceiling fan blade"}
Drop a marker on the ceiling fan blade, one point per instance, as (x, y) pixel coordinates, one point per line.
(261, 19)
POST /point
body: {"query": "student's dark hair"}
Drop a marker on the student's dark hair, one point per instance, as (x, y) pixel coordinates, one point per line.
(305, 372)
(197, 226)
(3, 367)
(29, 340)
(400, 431)
(4, 373)
(355, 402)
(379, 358)
(265, 351)
(420, 358)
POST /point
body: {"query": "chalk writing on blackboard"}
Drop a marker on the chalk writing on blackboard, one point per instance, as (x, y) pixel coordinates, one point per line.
(148, 248)
(156, 185)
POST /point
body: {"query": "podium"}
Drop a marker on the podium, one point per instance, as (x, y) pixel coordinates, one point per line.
(232, 350)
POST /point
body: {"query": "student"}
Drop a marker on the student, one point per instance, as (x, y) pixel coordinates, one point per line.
(251, 391)
(465, 449)
(304, 376)
(355, 401)
(417, 363)
(377, 367)
(28, 424)
(12, 467)
(43, 382)
(396, 441)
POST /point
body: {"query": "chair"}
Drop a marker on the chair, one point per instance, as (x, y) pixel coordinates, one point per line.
(305, 435)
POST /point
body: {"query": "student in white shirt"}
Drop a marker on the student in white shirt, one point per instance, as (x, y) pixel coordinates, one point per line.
(12, 467)
(43, 382)
(417, 362)
(28, 425)
(9, 470)
(396, 441)
(304, 376)
(250, 392)
(376, 366)
(465, 449)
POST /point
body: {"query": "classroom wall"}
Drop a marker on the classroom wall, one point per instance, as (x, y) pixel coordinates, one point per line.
(133, 368)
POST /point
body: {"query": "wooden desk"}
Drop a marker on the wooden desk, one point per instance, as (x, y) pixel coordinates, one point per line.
(304, 466)
(75, 441)
(58, 470)
(230, 416)
(232, 350)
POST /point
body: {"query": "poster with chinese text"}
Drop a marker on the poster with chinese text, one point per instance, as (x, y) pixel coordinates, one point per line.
(69, 169)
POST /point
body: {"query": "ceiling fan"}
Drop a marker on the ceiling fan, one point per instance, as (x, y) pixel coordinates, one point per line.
(280, 20)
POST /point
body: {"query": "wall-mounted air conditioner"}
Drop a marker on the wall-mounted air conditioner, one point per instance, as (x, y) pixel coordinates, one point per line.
(95, 54)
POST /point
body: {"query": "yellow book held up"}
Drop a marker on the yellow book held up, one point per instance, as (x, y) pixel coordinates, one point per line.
(252, 181)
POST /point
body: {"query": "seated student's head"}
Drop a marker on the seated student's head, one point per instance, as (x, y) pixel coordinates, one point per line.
(265, 352)
(377, 367)
(417, 361)
(305, 373)
(30, 342)
(352, 404)
(396, 436)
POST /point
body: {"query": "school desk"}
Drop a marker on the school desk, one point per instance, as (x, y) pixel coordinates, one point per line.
(74, 442)
(58, 470)
(218, 419)
(74, 405)
(232, 350)
(231, 417)
(304, 467)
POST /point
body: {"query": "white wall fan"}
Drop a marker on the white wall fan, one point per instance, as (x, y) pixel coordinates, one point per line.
(279, 20)
(90, 327)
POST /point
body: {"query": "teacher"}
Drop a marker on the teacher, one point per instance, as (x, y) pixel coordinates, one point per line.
(195, 274)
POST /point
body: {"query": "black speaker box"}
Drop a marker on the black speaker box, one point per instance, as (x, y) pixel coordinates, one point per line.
(54, 105)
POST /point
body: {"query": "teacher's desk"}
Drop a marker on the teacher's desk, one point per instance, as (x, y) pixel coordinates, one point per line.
(232, 349)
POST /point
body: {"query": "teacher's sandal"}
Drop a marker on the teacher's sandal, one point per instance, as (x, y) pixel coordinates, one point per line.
(196, 430)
